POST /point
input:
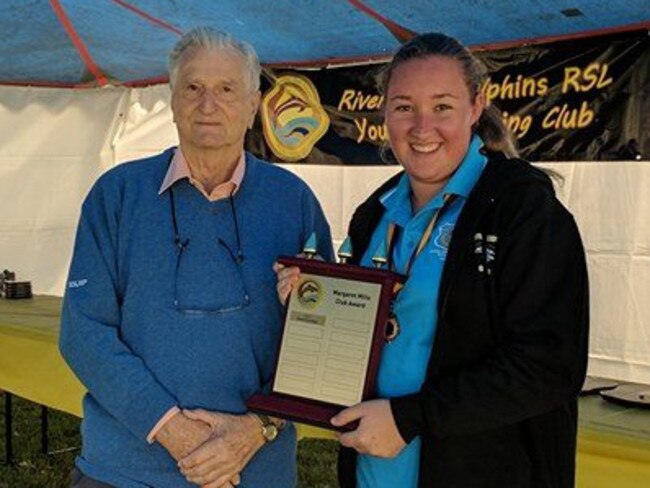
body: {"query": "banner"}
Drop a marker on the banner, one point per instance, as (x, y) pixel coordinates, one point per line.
(578, 100)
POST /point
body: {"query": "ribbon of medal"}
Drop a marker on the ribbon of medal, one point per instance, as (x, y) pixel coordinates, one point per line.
(392, 326)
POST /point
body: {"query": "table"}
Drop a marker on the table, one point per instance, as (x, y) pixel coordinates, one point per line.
(613, 445)
(30, 363)
(613, 441)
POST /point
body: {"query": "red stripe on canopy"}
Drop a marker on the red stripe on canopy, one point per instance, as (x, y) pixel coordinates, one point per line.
(402, 34)
(150, 18)
(78, 43)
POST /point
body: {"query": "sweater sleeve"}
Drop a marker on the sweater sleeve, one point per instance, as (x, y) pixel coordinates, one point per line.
(90, 339)
(540, 322)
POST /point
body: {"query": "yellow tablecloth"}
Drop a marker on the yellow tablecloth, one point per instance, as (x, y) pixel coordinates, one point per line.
(30, 363)
(613, 441)
(613, 445)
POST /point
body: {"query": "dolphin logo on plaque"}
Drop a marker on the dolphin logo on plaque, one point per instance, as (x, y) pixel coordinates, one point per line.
(310, 293)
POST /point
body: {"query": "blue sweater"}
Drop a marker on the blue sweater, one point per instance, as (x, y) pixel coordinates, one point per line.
(137, 352)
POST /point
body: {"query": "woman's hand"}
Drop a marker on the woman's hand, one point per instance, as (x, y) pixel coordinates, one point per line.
(377, 433)
(288, 277)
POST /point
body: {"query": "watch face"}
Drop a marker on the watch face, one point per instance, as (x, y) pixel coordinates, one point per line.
(270, 432)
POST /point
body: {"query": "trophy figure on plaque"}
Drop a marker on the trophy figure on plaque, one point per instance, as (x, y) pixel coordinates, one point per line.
(338, 317)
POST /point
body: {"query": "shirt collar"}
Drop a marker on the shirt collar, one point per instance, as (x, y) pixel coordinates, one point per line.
(469, 171)
(179, 169)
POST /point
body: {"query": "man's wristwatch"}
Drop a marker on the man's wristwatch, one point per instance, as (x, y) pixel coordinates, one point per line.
(270, 429)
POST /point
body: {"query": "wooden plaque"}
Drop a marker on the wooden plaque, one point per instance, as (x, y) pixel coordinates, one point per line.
(331, 343)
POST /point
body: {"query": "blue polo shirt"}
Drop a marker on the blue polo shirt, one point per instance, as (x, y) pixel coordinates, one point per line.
(403, 365)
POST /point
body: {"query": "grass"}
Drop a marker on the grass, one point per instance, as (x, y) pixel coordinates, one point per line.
(32, 469)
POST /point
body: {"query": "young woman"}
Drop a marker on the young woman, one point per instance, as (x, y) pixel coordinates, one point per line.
(479, 387)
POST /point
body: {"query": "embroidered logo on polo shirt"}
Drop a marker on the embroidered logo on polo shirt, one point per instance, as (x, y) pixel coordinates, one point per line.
(442, 240)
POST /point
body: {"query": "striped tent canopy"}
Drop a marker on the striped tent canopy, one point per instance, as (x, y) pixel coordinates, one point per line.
(73, 43)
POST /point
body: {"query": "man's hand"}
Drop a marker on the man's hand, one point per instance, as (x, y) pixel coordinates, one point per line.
(377, 433)
(217, 463)
(181, 435)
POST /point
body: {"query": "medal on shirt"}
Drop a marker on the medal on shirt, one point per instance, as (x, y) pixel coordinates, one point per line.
(393, 328)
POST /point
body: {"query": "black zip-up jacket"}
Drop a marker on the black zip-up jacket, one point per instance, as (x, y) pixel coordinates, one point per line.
(498, 408)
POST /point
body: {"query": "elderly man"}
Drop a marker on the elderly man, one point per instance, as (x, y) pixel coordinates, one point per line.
(170, 318)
